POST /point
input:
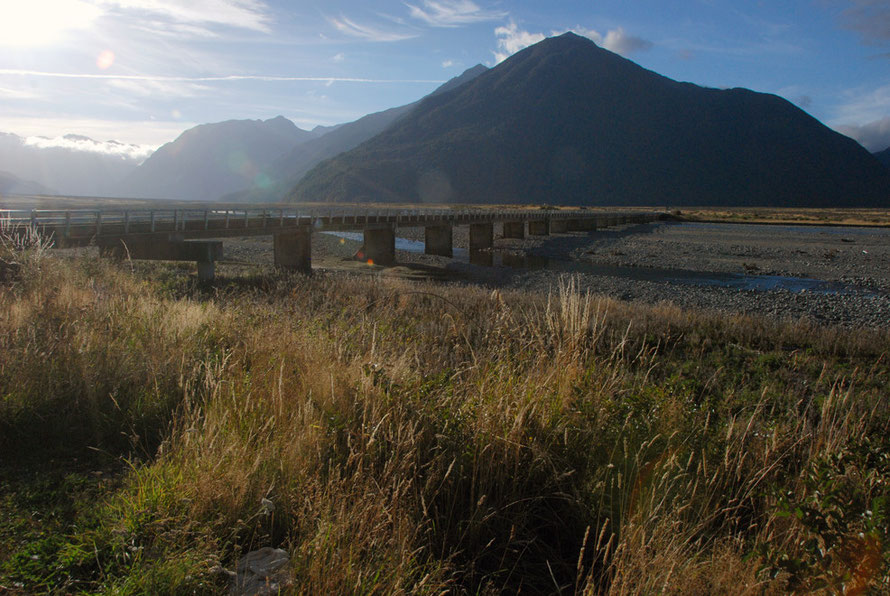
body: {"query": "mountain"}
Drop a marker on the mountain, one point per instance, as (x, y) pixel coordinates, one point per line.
(281, 176)
(210, 160)
(69, 165)
(883, 157)
(567, 122)
(10, 184)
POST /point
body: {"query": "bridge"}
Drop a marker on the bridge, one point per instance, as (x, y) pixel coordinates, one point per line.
(196, 234)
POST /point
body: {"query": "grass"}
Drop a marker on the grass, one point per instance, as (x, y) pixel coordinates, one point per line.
(787, 216)
(399, 437)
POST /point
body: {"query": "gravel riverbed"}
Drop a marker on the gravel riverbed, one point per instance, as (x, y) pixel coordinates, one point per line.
(642, 263)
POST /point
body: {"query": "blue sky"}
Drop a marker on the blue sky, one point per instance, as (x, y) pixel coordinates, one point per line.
(142, 71)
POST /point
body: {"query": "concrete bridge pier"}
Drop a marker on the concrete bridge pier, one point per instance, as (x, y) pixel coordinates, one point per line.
(559, 226)
(439, 240)
(481, 236)
(574, 225)
(293, 250)
(380, 245)
(514, 229)
(539, 227)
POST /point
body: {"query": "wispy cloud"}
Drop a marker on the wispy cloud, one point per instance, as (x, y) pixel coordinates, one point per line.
(242, 14)
(212, 79)
(368, 32)
(452, 13)
(869, 18)
(511, 39)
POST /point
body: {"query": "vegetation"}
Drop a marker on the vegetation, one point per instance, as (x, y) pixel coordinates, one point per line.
(793, 216)
(399, 437)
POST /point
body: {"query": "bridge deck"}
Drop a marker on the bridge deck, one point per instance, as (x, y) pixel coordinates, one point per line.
(81, 226)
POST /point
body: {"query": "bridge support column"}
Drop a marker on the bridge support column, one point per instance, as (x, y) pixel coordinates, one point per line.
(481, 236)
(514, 229)
(573, 225)
(438, 240)
(380, 245)
(153, 248)
(293, 250)
(558, 226)
(539, 227)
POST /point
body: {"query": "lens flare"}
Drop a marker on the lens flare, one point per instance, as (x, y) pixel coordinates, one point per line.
(105, 59)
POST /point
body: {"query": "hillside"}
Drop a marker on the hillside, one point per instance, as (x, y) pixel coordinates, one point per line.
(567, 122)
(883, 157)
(285, 172)
(209, 160)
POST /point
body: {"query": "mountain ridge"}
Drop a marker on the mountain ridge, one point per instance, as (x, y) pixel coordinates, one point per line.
(565, 121)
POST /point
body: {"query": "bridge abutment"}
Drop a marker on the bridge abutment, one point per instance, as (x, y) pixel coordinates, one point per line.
(152, 248)
(293, 250)
(438, 240)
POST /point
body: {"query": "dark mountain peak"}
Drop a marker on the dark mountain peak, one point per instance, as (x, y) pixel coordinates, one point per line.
(567, 121)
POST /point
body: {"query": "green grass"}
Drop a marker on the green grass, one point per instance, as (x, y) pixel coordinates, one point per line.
(416, 438)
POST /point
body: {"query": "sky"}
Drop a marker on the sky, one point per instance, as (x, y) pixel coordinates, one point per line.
(140, 72)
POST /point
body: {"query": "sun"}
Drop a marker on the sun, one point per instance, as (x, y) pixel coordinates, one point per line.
(31, 23)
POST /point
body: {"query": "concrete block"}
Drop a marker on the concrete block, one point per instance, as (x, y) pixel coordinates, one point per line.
(293, 249)
(559, 226)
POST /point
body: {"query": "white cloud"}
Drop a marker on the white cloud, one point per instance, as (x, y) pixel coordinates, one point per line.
(452, 13)
(447, 63)
(874, 136)
(151, 133)
(368, 32)
(85, 144)
(42, 22)
(339, 57)
(511, 39)
(242, 14)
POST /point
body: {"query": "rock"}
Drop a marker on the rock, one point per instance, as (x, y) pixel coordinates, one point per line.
(262, 572)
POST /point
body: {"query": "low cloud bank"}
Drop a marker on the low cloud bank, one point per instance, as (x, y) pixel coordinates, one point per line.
(86, 144)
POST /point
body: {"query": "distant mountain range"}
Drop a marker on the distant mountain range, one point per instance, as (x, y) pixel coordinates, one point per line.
(280, 176)
(69, 165)
(566, 122)
(211, 160)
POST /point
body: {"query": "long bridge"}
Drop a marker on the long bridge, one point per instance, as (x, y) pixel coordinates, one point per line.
(195, 234)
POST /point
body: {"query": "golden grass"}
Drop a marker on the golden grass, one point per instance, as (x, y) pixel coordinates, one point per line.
(421, 438)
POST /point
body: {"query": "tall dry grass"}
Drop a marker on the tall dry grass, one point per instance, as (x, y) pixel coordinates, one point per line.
(416, 438)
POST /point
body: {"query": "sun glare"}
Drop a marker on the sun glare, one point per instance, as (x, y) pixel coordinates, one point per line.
(43, 22)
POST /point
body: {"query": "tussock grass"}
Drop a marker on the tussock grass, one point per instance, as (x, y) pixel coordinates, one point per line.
(400, 437)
